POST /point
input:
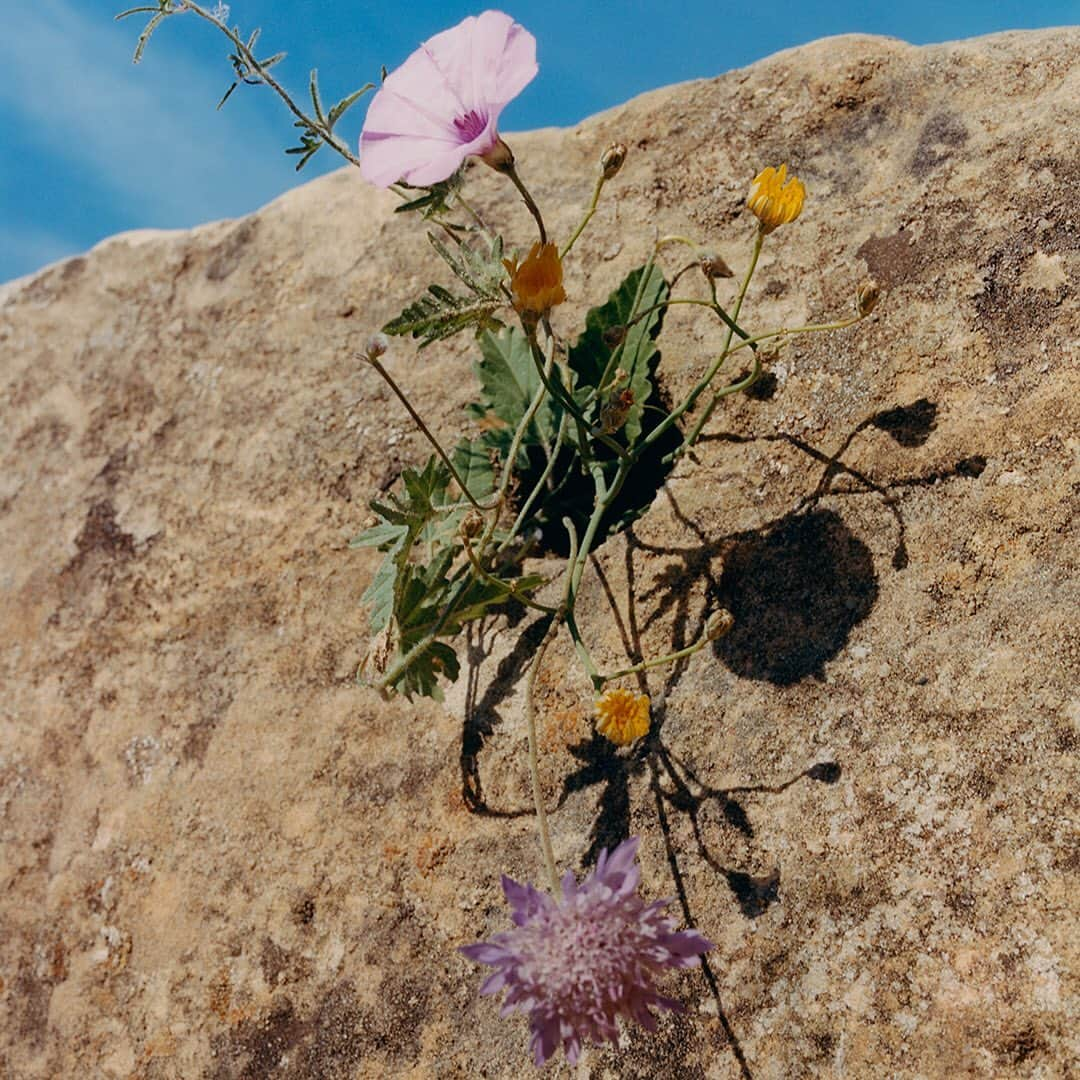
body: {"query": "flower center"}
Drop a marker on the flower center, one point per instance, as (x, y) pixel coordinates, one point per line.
(470, 125)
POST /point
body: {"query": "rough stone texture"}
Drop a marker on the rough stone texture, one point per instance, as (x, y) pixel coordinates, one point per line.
(222, 859)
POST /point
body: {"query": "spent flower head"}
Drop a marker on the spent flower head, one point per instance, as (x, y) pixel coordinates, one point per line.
(577, 962)
(536, 284)
(622, 716)
(775, 199)
(443, 104)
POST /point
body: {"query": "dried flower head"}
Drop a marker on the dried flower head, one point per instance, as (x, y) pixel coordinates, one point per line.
(713, 267)
(576, 962)
(443, 104)
(866, 297)
(775, 199)
(615, 410)
(537, 283)
(622, 716)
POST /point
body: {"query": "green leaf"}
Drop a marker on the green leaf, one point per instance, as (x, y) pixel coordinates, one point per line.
(472, 459)
(508, 381)
(440, 314)
(481, 271)
(346, 103)
(589, 356)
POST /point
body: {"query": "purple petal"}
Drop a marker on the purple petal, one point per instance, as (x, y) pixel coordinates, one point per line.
(483, 952)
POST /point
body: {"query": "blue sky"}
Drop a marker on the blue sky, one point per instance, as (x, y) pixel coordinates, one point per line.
(93, 145)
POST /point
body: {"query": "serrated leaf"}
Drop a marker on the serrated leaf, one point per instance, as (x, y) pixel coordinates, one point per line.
(482, 271)
(472, 459)
(378, 535)
(509, 381)
(589, 356)
(440, 314)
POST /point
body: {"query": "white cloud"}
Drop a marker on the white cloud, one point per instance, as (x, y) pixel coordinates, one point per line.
(149, 134)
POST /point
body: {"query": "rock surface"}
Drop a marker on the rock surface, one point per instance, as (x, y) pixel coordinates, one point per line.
(223, 859)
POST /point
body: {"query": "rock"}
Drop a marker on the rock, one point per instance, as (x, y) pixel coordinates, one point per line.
(223, 859)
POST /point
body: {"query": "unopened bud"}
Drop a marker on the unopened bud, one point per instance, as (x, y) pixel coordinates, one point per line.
(866, 297)
(713, 266)
(614, 335)
(611, 161)
(718, 624)
(376, 345)
(471, 524)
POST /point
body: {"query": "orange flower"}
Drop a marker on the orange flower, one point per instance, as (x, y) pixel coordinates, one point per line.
(774, 199)
(537, 283)
(622, 716)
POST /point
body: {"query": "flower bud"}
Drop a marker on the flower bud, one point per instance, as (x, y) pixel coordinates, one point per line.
(375, 346)
(718, 624)
(611, 161)
(866, 297)
(471, 524)
(713, 266)
(614, 335)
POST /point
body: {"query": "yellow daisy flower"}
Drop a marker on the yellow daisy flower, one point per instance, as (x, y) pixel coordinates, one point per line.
(775, 199)
(622, 716)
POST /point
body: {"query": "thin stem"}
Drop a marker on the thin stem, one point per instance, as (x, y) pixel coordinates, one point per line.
(733, 388)
(534, 767)
(523, 513)
(508, 585)
(784, 331)
(660, 661)
(248, 57)
(373, 361)
(600, 180)
(702, 420)
(511, 171)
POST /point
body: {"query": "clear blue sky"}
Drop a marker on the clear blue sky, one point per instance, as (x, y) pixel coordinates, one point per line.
(92, 145)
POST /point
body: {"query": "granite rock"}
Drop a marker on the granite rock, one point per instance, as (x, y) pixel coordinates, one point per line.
(222, 858)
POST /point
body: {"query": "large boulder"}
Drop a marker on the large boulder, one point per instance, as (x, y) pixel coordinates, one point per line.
(223, 858)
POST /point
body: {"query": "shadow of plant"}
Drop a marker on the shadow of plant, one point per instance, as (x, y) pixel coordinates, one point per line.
(797, 586)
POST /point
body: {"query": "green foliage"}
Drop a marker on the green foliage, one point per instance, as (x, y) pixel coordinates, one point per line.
(315, 136)
(509, 380)
(591, 355)
(439, 313)
(416, 598)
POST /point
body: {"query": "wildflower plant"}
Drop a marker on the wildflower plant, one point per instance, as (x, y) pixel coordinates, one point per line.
(563, 425)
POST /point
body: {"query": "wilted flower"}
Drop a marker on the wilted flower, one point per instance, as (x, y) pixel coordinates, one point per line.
(713, 266)
(443, 104)
(537, 283)
(622, 716)
(576, 962)
(774, 199)
(613, 414)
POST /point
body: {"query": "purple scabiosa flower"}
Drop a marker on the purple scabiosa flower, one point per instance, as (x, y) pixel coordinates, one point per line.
(443, 104)
(576, 962)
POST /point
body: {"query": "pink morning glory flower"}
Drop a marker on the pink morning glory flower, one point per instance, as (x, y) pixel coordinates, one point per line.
(577, 962)
(443, 104)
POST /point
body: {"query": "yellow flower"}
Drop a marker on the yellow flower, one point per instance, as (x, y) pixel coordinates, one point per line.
(622, 716)
(537, 283)
(774, 199)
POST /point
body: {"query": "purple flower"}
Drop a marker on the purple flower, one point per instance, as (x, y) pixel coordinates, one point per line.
(577, 962)
(443, 103)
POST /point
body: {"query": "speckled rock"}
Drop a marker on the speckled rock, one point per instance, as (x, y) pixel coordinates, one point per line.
(223, 859)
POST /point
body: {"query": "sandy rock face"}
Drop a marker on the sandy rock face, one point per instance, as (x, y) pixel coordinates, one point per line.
(223, 859)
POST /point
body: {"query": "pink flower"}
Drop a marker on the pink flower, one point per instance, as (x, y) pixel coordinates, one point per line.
(443, 104)
(578, 962)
